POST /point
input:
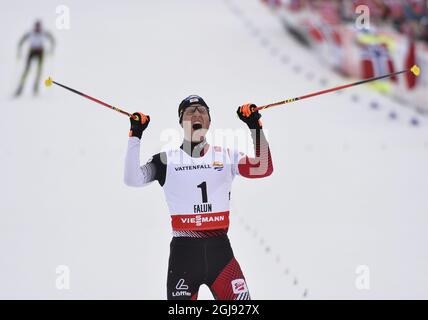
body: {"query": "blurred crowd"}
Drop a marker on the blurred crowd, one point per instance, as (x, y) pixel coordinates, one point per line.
(359, 43)
(409, 17)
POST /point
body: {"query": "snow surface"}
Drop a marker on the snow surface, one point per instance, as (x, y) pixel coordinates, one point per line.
(349, 187)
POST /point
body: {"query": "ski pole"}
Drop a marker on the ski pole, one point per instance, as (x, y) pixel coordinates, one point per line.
(415, 70)
(49, 82)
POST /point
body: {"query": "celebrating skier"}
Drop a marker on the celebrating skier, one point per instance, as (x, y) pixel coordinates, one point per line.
(197, 179)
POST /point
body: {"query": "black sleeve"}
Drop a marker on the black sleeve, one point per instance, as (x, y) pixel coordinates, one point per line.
(159, 160)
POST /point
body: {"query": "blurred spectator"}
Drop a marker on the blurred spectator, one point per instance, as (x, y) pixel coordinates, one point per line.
(409, 17)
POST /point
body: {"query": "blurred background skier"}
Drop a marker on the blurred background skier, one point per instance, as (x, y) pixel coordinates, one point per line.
(36, 39)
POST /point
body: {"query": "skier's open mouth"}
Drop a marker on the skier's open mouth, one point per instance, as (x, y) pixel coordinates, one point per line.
(197, 126)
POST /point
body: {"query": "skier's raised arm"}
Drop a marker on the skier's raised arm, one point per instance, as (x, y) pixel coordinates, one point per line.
(261, 165)
(136, 175)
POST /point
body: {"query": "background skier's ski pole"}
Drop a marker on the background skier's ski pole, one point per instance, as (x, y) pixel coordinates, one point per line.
(415, 70)
(49, 81)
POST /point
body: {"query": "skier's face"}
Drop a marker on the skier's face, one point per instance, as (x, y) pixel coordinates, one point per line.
(196, 122)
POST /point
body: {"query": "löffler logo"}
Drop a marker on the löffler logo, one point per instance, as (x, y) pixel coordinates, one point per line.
(181, 286)
(181, 289)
